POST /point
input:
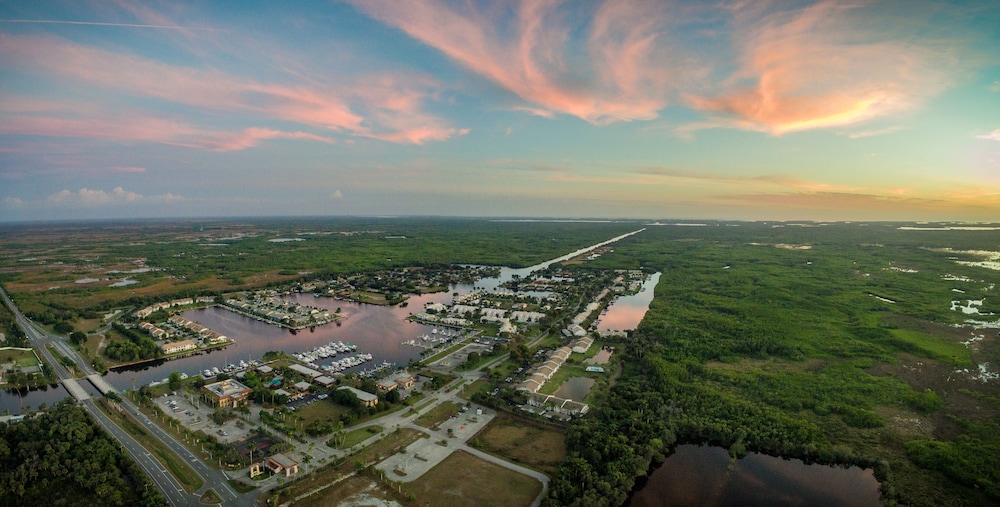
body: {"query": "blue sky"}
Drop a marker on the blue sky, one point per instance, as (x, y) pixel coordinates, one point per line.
(735, 110)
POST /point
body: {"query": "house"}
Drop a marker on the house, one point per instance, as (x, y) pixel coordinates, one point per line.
(279, 463)
(265, 369)
(581, 345)
(367, 399)
(324, 381)
(227, 393)
(562, 353)
(181, 346)
(303, 386)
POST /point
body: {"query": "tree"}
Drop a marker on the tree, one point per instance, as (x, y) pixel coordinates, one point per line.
(174, 381)
(77, 338)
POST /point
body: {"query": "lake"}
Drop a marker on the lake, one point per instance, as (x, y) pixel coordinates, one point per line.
(625, 312)
(699, 476)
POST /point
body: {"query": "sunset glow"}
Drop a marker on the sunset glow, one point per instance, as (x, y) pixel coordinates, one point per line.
(739, 110)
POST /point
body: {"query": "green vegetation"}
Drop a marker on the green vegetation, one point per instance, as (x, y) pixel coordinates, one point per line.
(935, 347)
(346, 440)
(770, 339)
(187, 477)
(182, 266)
(62, 458)
(437, 415)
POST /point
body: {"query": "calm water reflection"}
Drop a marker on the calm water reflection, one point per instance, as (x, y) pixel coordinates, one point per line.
(575, 388)
(627, 311)
(698, 476)
(377, 330)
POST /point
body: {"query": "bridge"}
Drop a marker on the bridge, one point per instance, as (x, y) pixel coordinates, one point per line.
(74, 388)
(102, 385)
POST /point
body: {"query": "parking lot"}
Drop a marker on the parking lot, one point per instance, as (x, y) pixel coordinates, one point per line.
(196, 415)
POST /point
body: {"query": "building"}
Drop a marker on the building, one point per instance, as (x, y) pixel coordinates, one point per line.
(303, 386)
(401, 380)
(324, 381)
(279, 463)
(367, 399)
(311, 373)
(181, 346)
(581, 345)
(227, 393)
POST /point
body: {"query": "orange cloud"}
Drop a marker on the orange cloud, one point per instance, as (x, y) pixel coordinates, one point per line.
(526, 48)
(818, 67)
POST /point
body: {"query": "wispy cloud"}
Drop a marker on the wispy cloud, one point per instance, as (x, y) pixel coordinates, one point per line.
(98, 23)
(393, 106)
(873, 133)
(13, 202)
(764, 180)
(992, 136)
(620, 72)
(87, 198)
(821, 66)
(128, 169)
(133, 128)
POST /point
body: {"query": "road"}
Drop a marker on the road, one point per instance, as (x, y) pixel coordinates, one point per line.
(216, 479)
(165, 481)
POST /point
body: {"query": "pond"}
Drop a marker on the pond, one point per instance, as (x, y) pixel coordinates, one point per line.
(575, 388)
(699, 476)
(625, 312)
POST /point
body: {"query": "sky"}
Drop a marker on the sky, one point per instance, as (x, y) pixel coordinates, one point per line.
(750, 110)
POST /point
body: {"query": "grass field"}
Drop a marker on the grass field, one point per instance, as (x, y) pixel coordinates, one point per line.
(436, 415)
(463, 479)
(531, 445)
(355, 437)
(479, 386)
(942, 349)
(23, 358)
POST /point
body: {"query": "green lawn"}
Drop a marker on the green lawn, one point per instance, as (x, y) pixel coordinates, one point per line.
(943, 349)
(436, 415)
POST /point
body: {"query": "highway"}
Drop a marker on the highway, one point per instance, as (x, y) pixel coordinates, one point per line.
(165, 481)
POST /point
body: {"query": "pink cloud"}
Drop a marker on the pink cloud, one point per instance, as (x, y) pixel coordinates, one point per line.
(137, 128)
(526, 49)
(815, 68)
(992, 136)
(129, 169)
(394, 105)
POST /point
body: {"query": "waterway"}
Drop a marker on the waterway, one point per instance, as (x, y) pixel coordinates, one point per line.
(625, 312)
(700, 476)
(377, 330)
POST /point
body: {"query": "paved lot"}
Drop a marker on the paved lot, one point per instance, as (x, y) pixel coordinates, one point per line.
(196, 415)
(426, 453)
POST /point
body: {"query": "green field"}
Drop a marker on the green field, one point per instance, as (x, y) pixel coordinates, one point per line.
(934, 347)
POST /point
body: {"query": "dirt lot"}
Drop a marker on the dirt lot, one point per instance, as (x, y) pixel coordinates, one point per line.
(525, 443)
(463, 479)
